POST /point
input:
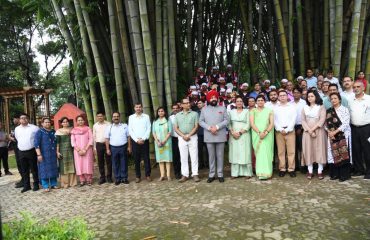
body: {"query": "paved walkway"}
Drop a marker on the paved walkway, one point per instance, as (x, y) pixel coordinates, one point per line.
(282, 208)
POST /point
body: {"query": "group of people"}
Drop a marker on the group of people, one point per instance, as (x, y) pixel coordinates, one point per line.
(314, 121)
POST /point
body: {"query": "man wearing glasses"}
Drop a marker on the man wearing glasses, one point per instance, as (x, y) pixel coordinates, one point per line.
(186, 126)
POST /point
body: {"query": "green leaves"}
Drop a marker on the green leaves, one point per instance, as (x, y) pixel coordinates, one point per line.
(31, 229)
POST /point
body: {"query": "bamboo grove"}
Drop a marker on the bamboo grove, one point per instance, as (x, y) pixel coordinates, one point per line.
(125, 51)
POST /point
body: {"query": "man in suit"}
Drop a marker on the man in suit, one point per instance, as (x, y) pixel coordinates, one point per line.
(214, 120)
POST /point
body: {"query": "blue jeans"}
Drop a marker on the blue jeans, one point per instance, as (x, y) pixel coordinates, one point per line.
(49, 182)
(119, 162)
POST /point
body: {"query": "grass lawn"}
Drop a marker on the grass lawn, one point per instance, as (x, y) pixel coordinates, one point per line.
(12, 162)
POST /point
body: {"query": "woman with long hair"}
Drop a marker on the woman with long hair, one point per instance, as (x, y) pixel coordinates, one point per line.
(161, 131)
(314, 143)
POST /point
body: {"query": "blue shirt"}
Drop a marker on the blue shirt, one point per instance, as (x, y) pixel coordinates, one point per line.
(311, 82)
(117, 134)
(327, 103)
(139, 126)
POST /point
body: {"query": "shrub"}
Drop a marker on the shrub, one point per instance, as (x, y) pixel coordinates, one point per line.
(30, 229)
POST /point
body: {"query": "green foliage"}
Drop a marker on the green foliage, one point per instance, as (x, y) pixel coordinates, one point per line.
(31, 229)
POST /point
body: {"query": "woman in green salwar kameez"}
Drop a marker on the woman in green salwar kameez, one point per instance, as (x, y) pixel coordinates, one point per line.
(65, 155)
(262, 124)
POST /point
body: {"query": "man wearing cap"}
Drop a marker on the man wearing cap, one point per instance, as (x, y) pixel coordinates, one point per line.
(201, 77)
(194, 98)
(214, 77)
(222, 96)
(230, 75)
(299, 79)
(228, 99)
(221, 83)
(283, 83)
(310, 78)
(203, 92)
(266, 85)
(244, 92)
(257, 91)
(214, 119)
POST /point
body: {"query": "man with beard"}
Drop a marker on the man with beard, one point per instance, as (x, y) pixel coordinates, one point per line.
(244, 92)
(266, 85)
(273, 96)
(203, 92)
(348, 90)
(214, 119)
(194, 98)
(228, 99)
(299, 104)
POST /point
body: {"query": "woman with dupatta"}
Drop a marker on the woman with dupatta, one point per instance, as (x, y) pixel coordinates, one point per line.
(240, 141)
(65, 155)
(82, 142)
(262, 123)
(162, 129)
(339, 139)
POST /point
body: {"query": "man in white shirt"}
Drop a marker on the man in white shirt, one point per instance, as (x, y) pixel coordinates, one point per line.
(285, 115)
(273, 96)
(117, 145)
(25, 136)
(175, 143)
(332, 79)
(348, 90)
(100, 149)
(139, 130)
(299, 103)
(359, 108)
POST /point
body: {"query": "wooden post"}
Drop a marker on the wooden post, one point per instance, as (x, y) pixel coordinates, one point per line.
(6, 112)
(25, 108)
(47, 104)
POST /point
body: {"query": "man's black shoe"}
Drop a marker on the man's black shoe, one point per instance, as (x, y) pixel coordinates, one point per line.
(19, 184)
(117, 182)
(8, 173)
(357, 174)
(292, 174)
(125, 181)
(282, 174)
(102, 181)
(25, 189)
(211, 179)
(109, 180)
(221, 179)
(36, 187)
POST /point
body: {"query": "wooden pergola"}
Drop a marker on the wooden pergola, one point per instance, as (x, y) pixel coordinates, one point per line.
(27, 94)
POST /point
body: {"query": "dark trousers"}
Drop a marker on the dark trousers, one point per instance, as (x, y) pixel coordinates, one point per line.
(120, 162)
(141, 152)
(28, 161)
(203, 160)
(4, 158)
(361, 149)
(103, 159)
(19, 165)
(176, 157)
(298, 145)
(342, 172)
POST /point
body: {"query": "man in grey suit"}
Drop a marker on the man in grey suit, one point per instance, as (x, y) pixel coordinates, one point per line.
(214, 120)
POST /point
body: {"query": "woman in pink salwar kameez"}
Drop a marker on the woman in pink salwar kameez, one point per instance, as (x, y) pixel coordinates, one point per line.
(82, 142)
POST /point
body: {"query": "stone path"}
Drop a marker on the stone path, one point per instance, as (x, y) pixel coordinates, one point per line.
(282, 208)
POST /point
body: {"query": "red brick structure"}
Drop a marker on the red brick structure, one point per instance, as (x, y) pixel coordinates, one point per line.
(71, 112)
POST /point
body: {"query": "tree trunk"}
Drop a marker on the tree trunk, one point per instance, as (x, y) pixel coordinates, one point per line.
(87, 55)
(311, 51)
(332, 16)
(148, 54)
(159, 48)
(126, 52)
(172, 48)
(279, 20)
(290, 33)
(200, 34)
(98, 63)
(326, 32)
(361, 35)
(367, 71)
(116, 59)
(189, 45)
(302, 64)
(272, 43)
(166, 63)
(338, 37)
(354, 39)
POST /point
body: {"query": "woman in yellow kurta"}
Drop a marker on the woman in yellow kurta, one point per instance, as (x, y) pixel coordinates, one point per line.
(240, 141)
